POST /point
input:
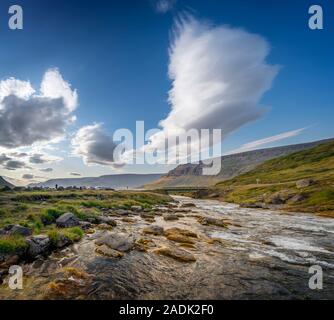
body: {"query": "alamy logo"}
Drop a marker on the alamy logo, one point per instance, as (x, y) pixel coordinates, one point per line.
(316, 280)
(316, 21)
(15, 281)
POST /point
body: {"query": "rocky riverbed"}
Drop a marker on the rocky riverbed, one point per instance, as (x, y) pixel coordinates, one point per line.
(193, 249)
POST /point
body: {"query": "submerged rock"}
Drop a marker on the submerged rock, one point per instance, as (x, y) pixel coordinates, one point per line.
(176, 253)
(109, 252)
(67, 220)
(212, 221)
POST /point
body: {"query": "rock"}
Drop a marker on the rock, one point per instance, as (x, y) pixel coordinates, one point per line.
(117, 241)
(38, 245)
(180, 238)
(201, 194)
(170, 217)
(122, 212)
(104, 226)
(304, 183)
(19, 230)
(147, 215)
(188, 205)
(136, 208)
(107, 220)
(180, 235)
(277, 199)
(128, 220)
(108, 252)
(183, 232)
(144, 244)
(212, 221)
(84, 225)
(256, 205)
(62, 241)
(297, 198)
(155, 230)
(67, 220)
(176, 253)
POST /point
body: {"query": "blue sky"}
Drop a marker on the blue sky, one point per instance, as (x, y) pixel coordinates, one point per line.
(115, 54)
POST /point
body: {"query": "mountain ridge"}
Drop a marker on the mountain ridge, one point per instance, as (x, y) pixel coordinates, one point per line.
(117, 181)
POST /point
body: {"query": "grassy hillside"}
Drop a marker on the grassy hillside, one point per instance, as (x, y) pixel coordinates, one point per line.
(190, 175)
(274, 183)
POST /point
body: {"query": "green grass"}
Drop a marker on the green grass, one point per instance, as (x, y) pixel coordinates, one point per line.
(40, 209)
(280, 176)
(74, 234)
(12, 244)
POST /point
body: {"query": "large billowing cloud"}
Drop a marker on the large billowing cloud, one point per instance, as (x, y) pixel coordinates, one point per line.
(94, 146)
(27, 117)
(219, 75)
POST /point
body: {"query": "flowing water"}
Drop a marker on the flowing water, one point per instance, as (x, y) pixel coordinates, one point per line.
(261, 255)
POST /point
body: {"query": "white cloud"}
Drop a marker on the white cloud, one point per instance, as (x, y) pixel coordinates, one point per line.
(219, 75)
(27, 118)
(93, 145)
(163, 6)
(267, 141)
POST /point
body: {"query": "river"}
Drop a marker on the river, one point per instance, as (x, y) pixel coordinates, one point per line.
(262, 254)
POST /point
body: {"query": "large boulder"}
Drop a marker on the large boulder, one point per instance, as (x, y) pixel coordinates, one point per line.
(38, 245)
(117, 241)
(17, 230)
(304, 183)
(67, 220)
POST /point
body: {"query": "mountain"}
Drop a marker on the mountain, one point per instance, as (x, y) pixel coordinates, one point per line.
(232, 165)
(4, 183)
(300, 182)
(121, 181)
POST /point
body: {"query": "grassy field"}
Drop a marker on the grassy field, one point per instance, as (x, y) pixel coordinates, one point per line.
(40, 209)
(278, 177)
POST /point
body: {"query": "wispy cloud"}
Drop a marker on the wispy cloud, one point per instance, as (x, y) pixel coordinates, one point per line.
(267, 141)
(163, 6)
